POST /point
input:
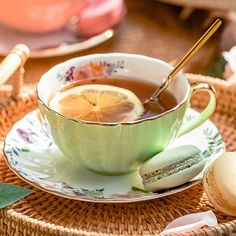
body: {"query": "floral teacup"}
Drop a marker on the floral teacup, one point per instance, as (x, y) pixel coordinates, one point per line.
(118, 148)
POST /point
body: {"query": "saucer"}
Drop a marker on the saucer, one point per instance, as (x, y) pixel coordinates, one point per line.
(52, 44)
(31, 153)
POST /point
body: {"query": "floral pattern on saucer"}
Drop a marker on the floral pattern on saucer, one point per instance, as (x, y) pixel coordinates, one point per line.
(90, 70)
(31, 153)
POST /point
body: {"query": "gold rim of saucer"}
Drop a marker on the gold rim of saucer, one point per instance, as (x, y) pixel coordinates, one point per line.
(69, 48)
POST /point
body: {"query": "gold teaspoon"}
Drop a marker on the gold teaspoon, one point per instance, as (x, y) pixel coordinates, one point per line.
(166, 81)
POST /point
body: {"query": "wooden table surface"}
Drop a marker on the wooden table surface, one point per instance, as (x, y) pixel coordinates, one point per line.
(149, 28)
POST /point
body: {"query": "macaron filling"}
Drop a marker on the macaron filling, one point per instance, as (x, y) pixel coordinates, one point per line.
(172, 169)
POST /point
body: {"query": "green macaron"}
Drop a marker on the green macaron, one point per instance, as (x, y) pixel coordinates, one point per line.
(171, 168)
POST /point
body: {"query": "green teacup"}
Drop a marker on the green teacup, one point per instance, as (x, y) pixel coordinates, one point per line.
(118, 148)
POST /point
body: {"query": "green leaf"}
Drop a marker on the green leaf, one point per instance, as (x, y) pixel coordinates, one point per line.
(25, 149)
(136, 189)
(10, 193)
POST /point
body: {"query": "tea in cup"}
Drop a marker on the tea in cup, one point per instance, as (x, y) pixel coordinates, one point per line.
(122, 135)
(109, 99)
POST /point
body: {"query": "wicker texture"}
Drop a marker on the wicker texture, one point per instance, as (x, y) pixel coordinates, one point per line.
(209, 4)
(45, 214)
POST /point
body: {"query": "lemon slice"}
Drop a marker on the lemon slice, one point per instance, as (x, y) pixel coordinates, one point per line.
(99, 103)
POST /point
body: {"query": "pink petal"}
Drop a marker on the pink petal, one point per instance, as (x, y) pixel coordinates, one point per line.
(190, 222)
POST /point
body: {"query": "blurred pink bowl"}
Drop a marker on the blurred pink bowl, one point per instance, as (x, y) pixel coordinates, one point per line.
(100, 15)
(39, 16)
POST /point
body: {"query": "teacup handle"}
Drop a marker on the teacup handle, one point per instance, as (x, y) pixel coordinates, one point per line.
(204, 115)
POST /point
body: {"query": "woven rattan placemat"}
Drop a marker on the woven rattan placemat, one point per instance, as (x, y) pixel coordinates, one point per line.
(45, 214)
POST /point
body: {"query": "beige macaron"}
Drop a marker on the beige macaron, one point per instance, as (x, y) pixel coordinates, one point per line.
(220, 183)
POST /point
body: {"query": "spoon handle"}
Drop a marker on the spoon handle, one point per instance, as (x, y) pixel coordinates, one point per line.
(212, 29)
